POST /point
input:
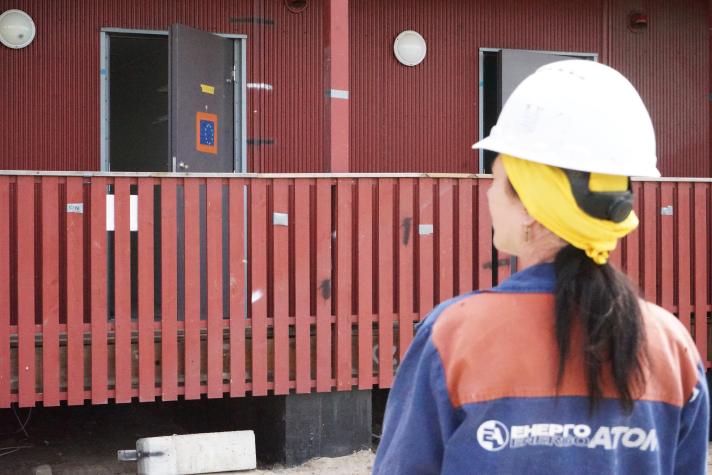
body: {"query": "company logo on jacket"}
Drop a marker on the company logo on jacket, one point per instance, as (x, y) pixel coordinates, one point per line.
(493, 436)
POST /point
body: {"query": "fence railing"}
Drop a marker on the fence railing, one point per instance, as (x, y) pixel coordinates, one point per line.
(118, 286)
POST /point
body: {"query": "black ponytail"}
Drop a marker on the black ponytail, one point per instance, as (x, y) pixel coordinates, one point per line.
(606, 307)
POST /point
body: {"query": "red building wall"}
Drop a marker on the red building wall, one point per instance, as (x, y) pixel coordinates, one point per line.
(425, 118)
(402, 119)
(50, 90)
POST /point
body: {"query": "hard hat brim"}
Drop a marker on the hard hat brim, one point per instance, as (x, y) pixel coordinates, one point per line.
(494, 144)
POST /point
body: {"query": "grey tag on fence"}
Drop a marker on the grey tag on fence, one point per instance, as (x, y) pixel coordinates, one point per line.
(75, 208)
(666, 210)
(425, 229)
(280, 219)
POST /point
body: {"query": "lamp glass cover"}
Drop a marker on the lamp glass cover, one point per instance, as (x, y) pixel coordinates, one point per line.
(17, 29)
(409, 48)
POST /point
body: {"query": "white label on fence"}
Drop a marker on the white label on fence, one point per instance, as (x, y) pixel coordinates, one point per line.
(280, 219)
(75, 208)
(133, 213)
(425, 229)
(666, 210)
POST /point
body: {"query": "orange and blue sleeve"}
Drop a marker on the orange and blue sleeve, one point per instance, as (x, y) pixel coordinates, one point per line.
(692, 446)
(419, 417)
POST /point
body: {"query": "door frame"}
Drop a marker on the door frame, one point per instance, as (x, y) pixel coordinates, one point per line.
(240, 95)
(480, 87)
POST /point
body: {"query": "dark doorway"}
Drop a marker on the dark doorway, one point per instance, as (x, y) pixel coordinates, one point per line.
(138, 103)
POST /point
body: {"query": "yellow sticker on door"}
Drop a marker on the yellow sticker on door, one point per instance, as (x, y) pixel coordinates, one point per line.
(205, 89)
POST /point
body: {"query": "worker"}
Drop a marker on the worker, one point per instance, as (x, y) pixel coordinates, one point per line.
(561, 368)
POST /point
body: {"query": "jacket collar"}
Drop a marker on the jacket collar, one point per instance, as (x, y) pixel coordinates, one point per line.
(540, 278)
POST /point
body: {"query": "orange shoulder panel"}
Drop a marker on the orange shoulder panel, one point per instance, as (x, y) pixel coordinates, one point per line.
(502, 345)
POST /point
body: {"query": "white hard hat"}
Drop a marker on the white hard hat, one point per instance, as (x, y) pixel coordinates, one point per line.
(579, 115)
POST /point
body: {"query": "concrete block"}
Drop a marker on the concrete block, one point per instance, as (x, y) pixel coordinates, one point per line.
(197, 453)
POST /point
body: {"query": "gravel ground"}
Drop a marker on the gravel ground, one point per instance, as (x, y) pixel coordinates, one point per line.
(359, 463)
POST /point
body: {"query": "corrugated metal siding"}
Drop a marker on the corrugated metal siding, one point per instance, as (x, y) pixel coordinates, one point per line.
(403, 119)
(669, 64)
(425, 118)
(50, 91)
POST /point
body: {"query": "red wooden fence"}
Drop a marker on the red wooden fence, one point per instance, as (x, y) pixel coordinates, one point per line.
(253, 284)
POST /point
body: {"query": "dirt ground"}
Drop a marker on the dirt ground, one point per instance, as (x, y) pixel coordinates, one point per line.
(359, 463)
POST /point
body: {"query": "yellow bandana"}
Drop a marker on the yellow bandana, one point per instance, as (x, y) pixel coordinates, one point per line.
(546, 194)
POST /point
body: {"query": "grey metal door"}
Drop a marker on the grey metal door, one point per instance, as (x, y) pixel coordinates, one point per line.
(202, 101)
(516, 65)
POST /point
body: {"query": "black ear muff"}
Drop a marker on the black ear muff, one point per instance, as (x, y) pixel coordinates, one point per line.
(612, 206)
(620, 207)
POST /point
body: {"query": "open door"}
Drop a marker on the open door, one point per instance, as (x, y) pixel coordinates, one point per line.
(201, 101)
(515, 65)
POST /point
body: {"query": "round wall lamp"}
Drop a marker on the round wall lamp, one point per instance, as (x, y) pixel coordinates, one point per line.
(409, 48)
(296, 6)
(17, 29)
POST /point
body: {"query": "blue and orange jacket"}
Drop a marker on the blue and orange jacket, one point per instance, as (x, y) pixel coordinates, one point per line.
(476, 394)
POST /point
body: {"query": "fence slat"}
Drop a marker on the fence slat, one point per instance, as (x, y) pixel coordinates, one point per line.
(684, 272)
(98, 285)
(484, 237)
(258, 281)
(75, 293)
(280, 274)
(26, 289)
(146, 310)
(466, 213)
(5, 397)
(701, 276)
(192, 288)
(324, 284)
(50, 292)
(122, 290)
(302, 273)
(668, 242)
(236, 200)
(426, 228)
(365, 282)
(344, 254)
(169, 290)
(385, 282)
(213, 236)
(406, 245)
(651, 212)
(632, 241)
(445, 270)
